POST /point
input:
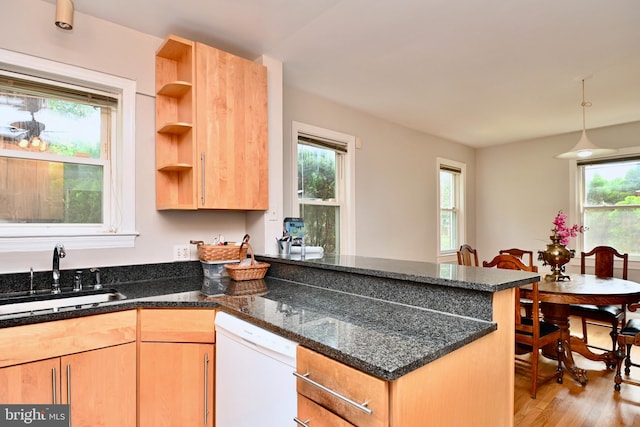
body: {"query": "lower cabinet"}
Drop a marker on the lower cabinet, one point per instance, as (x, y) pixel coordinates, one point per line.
(100, 385)
(176, 382)
(364, 399)
(313, 415)
(88, 362)
(176, 361)
(34, 382)
(471, 386)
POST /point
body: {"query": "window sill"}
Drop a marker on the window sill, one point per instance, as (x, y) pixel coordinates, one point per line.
(93, 241)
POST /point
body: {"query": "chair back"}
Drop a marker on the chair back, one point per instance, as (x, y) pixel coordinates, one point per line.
(468, 256)
(527, 328)
(519, 253)
(605, 261)
(509, 262)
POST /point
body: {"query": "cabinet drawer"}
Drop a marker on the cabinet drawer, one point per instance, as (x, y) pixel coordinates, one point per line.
(177, 325)
(50, 339)
(346, 381)
(315, 415)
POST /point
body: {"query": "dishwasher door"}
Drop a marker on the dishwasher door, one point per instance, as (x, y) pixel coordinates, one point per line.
(255, 385)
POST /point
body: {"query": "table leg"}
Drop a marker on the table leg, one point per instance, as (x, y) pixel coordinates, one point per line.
(558, 314)
(608, 357)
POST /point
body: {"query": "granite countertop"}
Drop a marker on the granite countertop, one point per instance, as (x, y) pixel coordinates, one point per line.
(444, 274)
(374, 334)
(175, 292)
(384, 339)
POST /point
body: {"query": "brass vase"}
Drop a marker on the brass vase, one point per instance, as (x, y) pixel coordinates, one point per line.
(556, 256)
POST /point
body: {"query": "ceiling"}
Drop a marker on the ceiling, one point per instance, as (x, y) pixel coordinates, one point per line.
(476, 72)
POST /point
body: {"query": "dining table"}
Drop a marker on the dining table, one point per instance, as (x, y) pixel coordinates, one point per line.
(555, 299)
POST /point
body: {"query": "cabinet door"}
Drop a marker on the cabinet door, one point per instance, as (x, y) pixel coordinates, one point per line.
(232, 138)
(34, 382)
(100, 385)
(176, 384)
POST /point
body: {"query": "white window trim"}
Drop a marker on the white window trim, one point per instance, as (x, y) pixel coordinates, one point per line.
(575, 197)
(462, 233)
(347, 216)
(118, 235)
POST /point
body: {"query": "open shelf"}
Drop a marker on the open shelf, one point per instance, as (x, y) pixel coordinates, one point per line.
(175, 89)
(175, 128)
(175, 167)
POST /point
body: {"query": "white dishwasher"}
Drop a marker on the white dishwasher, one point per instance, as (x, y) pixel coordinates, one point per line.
(255, 385)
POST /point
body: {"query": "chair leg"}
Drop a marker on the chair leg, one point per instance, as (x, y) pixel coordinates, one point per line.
(534, 372)
(627, 361)
(584, 330)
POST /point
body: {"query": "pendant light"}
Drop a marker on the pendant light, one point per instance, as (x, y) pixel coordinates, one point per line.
(584, 147)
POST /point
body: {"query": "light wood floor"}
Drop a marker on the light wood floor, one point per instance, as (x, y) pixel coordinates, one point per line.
(572, 405)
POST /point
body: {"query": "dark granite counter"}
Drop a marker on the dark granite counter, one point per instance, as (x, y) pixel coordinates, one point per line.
(448, 275)
(383, 317)
(384, 339)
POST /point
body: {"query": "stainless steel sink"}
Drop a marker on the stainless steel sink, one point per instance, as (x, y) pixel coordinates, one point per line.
(25, 302)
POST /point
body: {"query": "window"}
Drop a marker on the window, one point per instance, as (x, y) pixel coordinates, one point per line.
(450, 205)
(610, 203)
(66, 148)
(323, 184)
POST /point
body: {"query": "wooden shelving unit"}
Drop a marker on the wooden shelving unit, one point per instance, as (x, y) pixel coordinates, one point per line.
(211, 129)
(176, 151)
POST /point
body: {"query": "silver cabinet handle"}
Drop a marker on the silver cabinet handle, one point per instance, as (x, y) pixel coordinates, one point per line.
(361, 406)
(54, 382)
(69, 391)
(301, 423)
(202, 176)
(206, 388)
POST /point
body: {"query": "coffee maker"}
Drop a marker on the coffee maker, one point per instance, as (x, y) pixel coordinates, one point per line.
(294, 227)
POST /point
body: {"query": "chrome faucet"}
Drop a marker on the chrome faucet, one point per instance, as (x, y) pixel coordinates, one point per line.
(58, 252)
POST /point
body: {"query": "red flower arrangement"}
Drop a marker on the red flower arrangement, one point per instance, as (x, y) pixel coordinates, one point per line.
(561, 229)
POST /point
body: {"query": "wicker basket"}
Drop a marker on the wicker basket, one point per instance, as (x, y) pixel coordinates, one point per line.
(253, 271)
(230, 252)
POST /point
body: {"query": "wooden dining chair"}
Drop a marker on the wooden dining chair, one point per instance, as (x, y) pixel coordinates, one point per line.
(628, 337)
(468, 256)
(531, 333)
(611, 316)
(519, 253)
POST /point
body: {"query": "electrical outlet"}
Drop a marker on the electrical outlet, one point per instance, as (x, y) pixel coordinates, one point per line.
(181, 253)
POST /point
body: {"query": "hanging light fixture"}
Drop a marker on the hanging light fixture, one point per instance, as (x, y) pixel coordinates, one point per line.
(64, 14)
(584, 147)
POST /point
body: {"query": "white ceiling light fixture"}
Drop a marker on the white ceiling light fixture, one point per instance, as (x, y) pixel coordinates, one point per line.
(64, 14)
(584, 147)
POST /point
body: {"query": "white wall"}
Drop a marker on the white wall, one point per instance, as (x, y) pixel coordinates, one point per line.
(521, 187)
(28, 28)
(396, 202)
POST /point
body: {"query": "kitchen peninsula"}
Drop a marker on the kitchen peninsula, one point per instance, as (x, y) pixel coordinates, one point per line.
(437, 337)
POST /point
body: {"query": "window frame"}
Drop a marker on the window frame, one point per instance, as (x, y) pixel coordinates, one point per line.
(345, 175)
(121, 231)
(576, 194)
(444, 164)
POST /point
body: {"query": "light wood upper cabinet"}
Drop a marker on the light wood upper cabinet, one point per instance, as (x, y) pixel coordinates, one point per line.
(211, 124)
